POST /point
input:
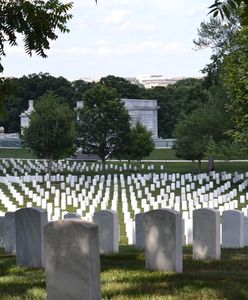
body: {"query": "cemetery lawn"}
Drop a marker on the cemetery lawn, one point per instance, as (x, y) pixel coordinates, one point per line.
(124, 277)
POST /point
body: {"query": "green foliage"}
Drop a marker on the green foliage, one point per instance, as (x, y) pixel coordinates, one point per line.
(141, 142)
(33, 87)
(104, 126)
(51, 132)
(37, 22)
(225, 150)
(235, 79)
(226, 8)
(219, 36)
(125, 88)
(176, 100)
(194, 132)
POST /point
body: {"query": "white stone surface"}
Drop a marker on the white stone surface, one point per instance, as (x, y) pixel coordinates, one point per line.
(107, 221)
(140, 231)
(9, 233)
(232, 229)
(245, 231)
(72, 260)
(2, 231)
(30, 237)
(72, 216)
(206, 234)
(143, 111)
(163, 240)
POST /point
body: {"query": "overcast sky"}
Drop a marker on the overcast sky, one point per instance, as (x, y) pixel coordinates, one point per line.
(123, 38)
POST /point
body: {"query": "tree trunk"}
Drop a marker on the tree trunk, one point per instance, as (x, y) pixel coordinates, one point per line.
(210, 164)
(199, 165)
(103, 165)
(49, 167)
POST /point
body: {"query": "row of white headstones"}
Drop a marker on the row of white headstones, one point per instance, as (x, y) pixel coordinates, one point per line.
(138, 193)
(25, 167)
(69, 249)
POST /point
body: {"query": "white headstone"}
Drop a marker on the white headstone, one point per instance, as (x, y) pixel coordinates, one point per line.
(107, 220)
(72, 260)
(163, 240)
(206, 234)
(245, 231)
(232, 229)
(2, 231)
(140, 231)
(29, 236)
(9, 233)
(72, 216)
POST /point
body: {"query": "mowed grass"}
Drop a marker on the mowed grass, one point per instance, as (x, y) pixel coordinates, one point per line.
(124, 277)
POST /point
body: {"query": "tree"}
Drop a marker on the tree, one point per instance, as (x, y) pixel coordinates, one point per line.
(141, 142)
(226, 8)
(125, 88)
(34, 86)
(219, 36)
(36, 21)
(104, 125)
(51, 133)
(174, 100)
(235, 78)
(194, 132)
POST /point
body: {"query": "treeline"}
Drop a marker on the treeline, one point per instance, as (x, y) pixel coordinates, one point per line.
(174, 100)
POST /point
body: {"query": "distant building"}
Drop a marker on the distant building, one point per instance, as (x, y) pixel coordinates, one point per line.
(25, 116)
(151, 81)
(147, 81)
(145, 112)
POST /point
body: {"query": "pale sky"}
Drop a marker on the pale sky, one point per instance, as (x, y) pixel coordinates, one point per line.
(123, 38)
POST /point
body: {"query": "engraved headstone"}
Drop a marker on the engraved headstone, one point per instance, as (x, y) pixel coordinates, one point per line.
(245, 231)
(72, 216)
(9, 233)
(2, 232)
(232, 229)
(30, 237)
(163, 240)
(140, 231)
(72, 260)
(107, 221)
(206, 234)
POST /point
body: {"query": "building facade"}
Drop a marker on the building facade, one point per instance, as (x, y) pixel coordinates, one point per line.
(143, 111)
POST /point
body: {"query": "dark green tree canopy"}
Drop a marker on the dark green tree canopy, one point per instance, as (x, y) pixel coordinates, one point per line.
(51, 132)
(235, 78)
(125, 88)
(104, 122)
(141, 142)
(195, 130)
(34, 86)
(37, 22)
(226, 8)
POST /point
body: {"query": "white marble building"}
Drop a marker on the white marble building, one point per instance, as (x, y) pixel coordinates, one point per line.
(144, 111)
(25, 116)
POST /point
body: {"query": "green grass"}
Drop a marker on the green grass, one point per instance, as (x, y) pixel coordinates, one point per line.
(124, 277)
(163, 154)
(16, 153)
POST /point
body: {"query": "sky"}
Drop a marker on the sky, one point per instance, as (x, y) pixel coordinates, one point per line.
(124, 38)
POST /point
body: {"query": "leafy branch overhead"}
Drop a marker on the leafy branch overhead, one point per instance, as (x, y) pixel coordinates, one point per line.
(226, 8)
(35, 20)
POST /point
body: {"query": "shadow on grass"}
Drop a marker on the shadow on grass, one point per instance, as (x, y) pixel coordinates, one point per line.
(221, 279)
(16, 281)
